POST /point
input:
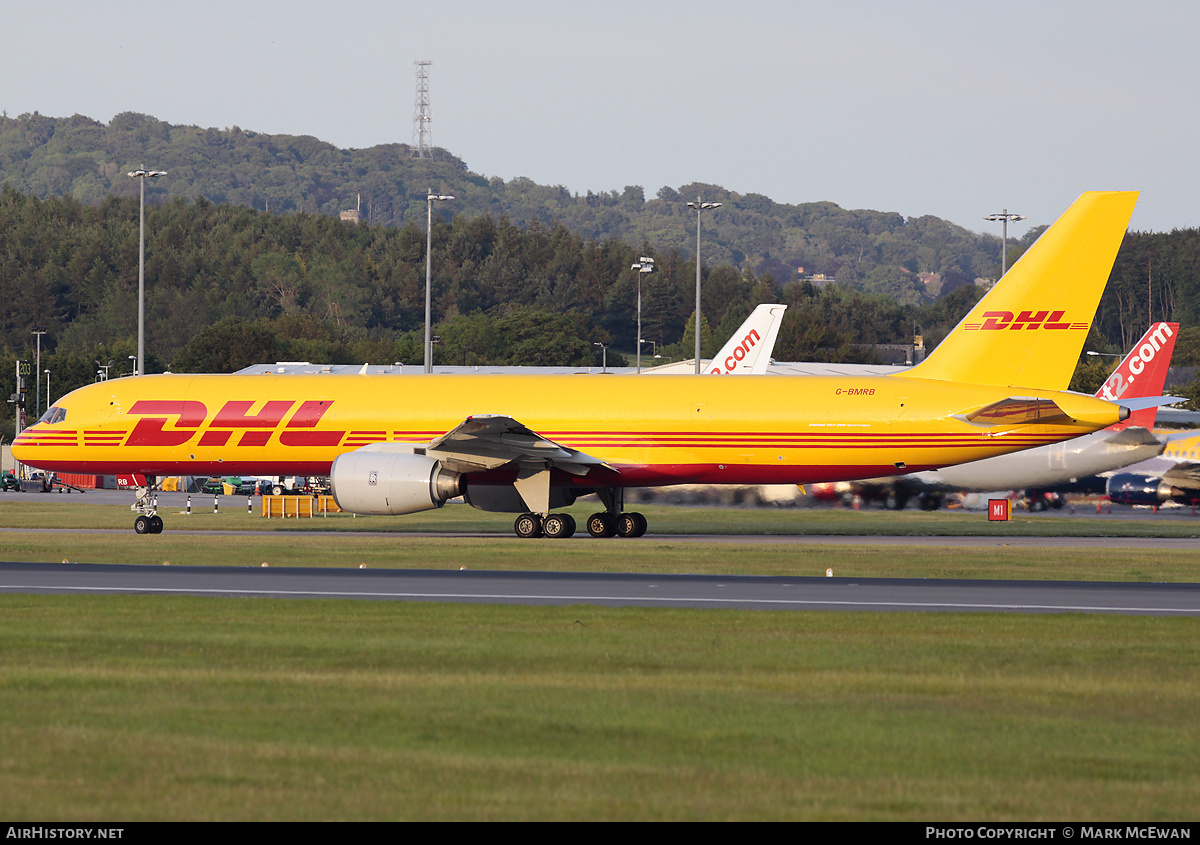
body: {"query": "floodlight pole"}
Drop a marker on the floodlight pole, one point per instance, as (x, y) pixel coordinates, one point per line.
(430, 199)
(645, 265)
(37, 401)
(1004, 217)
(698, 206)
(142, 175)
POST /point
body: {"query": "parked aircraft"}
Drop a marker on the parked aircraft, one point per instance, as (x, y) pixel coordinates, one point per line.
(1172, 477)
(1060, 466)
(530, 445)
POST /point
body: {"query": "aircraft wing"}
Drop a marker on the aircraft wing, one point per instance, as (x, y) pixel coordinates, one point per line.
(1134, 436)
(1184, 476)
(487, 441)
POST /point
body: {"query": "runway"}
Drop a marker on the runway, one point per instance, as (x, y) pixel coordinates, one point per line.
(610, 590)
(616, 590)
(1175, 544)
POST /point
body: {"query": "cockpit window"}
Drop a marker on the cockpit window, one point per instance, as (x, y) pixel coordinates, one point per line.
(54, 415)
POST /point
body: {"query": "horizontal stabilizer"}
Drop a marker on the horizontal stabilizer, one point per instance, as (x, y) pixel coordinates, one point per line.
(1016, 410)
(1151, 402)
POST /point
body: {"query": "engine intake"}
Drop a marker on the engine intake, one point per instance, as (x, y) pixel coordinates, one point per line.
(390, 478)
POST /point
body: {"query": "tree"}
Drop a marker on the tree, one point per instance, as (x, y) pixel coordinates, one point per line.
(228, 346)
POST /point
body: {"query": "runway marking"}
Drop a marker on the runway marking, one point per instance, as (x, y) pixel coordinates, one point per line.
(599, 598)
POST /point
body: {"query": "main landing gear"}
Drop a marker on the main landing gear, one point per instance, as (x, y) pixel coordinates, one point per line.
(629, 524)
(146, 507)
(562, 525)
(554, 526)
(614, 522)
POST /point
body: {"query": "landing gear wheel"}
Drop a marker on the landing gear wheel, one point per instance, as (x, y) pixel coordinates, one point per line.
(528, 525)
(602, 525)
(141, 525)
(156, 525)
(559, 526)
(631, 524)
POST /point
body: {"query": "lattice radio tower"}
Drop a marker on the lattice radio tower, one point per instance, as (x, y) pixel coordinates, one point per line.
(422, 146)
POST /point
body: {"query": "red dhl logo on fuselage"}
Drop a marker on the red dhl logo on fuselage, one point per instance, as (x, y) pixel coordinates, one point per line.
(1000, 320)
(234, 417)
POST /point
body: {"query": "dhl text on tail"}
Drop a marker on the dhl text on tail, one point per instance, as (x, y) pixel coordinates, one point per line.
(531, 444)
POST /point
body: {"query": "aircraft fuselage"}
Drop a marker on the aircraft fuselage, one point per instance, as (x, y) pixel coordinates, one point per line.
(667, 430)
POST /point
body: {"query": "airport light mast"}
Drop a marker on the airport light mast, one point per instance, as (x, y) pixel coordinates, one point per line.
(699, 207)
(1004, 217)
(142, 175)
(603, 354)
(430, 199)
(645, 265)
(37, 402)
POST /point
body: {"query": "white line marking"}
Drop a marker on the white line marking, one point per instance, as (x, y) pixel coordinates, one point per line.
(595, 598)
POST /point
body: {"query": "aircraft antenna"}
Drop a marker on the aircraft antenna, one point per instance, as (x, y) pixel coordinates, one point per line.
(422, 146)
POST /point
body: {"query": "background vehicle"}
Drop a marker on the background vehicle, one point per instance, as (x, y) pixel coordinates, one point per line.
(216, 485)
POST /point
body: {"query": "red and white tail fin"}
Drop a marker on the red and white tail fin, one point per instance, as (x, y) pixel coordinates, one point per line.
(1142, 373)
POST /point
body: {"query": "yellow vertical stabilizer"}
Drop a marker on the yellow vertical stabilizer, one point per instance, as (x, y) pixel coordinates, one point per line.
(1030, 328)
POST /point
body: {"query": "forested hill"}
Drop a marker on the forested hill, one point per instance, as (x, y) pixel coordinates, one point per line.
(228, 286)
(875, 251)
(68, 253)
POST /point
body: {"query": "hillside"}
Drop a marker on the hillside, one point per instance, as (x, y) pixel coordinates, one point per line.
(876, 251)
(247, 260)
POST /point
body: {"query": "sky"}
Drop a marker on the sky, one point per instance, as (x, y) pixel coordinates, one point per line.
(952, 108)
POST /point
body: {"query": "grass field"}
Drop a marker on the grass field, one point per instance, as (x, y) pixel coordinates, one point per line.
(485, 542)
(652, 555)
(174, 708)
(130, 708)
(664, 519)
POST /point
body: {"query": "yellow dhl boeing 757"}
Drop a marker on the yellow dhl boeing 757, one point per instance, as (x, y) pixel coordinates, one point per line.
(530, 444)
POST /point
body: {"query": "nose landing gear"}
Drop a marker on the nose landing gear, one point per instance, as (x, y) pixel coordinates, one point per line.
(148, 521)
(148, 524)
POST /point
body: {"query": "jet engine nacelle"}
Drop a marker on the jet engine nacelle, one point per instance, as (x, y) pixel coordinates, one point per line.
(1129, 488)
(390, 478)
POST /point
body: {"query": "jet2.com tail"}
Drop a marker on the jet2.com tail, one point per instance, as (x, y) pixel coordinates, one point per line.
(1142, 373)
(1029, 330)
